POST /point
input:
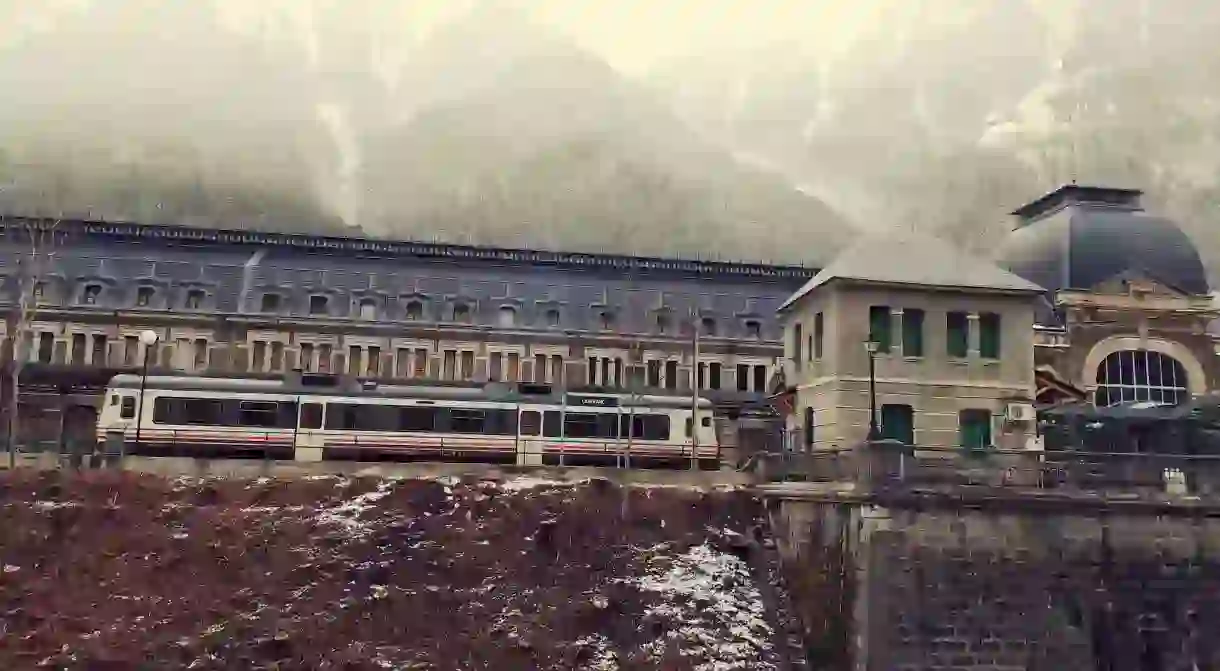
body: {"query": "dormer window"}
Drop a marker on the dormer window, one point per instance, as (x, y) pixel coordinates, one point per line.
(662, 323)
(270, 303)
(415, 311)
(708, 326)
(605, 320)
(194, 299)
(91, 294)
(461, 313)
(144, 296)
(507, 316)
(319, 305)
(753, 329)
(552, 317)
(368, 309)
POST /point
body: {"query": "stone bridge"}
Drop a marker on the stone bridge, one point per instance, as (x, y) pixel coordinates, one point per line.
(903, 559)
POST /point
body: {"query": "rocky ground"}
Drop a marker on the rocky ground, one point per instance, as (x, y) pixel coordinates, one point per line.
(120, 571)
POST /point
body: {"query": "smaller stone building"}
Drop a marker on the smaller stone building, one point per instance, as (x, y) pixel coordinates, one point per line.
(953, 341)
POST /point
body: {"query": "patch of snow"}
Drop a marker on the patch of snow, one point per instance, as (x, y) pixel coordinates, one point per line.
(347, 514)
(718, 611)
(525, 483)
(603, 658)
(55, 505)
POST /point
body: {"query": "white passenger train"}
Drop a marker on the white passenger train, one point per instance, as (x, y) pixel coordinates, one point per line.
(316, 417)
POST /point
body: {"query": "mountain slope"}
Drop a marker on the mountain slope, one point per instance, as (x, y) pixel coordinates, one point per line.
(531, 141)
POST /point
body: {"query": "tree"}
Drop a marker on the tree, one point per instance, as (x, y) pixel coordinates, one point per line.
(33, 245)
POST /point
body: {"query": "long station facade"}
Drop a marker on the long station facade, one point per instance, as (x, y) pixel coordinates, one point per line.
(265, 304)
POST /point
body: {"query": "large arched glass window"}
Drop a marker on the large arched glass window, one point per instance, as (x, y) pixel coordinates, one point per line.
(1140, 375)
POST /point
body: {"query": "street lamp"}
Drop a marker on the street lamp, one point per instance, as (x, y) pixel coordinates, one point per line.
(148, 338)
(874, 432)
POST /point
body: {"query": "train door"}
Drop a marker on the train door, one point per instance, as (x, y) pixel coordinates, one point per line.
(529, 437)
(309, 439)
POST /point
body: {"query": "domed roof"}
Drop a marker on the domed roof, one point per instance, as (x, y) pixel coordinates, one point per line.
(1080, 236)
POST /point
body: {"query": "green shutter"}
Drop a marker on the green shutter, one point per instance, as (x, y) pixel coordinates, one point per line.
(912, 333)
(974, 429)
(989, 335)
(879, 327)
(898, 423)
(817, 335)
(958, 340)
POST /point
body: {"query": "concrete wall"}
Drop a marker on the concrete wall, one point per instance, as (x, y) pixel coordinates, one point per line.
(1015, 586)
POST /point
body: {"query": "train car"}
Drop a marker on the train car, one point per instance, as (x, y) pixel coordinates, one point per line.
(316, 417)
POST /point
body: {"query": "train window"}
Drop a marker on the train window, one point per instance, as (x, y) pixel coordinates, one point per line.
(345, 416)
(531, 423)
(591, 425)
(416, 419)
(128, 409)
(311, 415)
(462, 420)
(114, 399)
(646, 426)
(688, 426)
(550, 423)
(197, 411)
(706, 421)
(501, 422)
(259, 413)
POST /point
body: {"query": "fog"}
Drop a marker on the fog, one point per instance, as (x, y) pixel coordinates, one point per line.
(708, 128)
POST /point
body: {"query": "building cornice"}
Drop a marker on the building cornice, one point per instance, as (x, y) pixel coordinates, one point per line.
(131, 232)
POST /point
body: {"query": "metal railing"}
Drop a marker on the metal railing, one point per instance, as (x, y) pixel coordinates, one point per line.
(891, 465)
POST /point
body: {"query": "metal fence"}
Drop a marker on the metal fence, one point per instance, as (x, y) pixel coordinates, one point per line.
(916, 467)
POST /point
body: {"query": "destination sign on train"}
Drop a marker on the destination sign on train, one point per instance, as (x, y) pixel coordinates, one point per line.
(599, 401)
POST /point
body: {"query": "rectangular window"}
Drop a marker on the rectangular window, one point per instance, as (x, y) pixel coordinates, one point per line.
(671, 374)
(277, 356)
(974, 429)
(713, 376)
(46, 347)
(912, 332)
(78, 349)
(354, 353)
(512, 368)
(402, 362)
(416, 419)
(258, 356)
(653, 371)
(879, 325)
(989, 335)
(467, 365)
(421, 362)
(131, 346)
(898, 423)
(311, 415)
(448, 365)
(760, 379)
(818, 329)
(957, 326)
(306, 362)
(326, 358)
(128, 409)
(494, 371)
(809, 427)
(557, 372)
(531, 422)
(797, 341)
(540, 369)
(201, 354)
(98, 356)
(373, 365)
(743, 377)
(702, 376)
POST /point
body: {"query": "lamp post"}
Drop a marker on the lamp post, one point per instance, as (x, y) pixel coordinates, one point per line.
(874, 432)
(148, 338)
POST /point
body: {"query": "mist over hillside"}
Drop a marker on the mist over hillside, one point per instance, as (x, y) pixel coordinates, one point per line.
(494, 131)
(736, 133)
(945, 120)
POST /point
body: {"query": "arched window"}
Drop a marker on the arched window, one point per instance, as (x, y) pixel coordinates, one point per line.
(1140, 375)
(415, 310)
